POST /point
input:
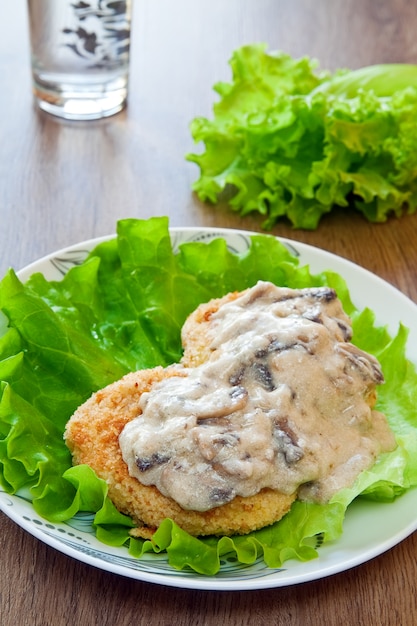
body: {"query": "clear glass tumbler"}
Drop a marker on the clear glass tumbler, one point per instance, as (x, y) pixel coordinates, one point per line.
(80, 56)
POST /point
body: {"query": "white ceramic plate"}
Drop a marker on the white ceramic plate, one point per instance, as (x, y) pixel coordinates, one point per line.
(370, 528)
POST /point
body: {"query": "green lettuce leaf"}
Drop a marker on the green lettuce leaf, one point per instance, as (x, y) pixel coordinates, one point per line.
(121, 310)
(290, 142)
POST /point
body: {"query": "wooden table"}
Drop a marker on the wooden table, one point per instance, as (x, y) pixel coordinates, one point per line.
(61, 183)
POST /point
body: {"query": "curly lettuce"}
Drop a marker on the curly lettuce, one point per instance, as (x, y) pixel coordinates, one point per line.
(290, 142)
(122, 309)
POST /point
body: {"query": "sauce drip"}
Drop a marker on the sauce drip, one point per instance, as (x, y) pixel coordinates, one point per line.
(283, 402)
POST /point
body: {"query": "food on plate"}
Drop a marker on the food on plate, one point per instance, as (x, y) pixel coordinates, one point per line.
(290, 142)
(270, 403)
(121, 310)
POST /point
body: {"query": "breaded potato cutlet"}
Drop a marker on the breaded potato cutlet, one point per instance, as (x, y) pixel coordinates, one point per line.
(315, 331)
(92, 435)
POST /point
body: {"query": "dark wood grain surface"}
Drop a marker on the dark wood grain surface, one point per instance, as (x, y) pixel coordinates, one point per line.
(61, 183)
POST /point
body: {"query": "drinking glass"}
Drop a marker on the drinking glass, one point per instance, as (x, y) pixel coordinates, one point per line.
(80, 56)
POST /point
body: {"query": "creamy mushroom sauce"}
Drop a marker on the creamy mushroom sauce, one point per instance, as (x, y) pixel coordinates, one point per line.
(283, 402)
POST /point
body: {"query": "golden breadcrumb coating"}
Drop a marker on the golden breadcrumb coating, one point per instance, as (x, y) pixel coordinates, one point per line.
(196, 331)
